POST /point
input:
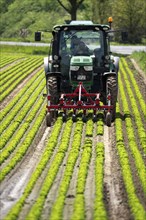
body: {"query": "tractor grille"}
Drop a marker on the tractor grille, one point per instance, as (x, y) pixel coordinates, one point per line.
(81, 75)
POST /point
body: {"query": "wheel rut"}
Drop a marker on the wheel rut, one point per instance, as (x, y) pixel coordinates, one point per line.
(115, 196)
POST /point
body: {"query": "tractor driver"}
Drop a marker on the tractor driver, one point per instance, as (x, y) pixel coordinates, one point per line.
(78, 47)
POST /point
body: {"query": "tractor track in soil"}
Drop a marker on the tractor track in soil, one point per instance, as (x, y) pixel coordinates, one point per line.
(115, 195)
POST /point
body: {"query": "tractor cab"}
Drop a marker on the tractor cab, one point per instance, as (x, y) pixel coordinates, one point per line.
(81, 73)
(80, 51)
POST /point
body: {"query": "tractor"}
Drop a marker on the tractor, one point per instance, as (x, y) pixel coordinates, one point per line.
(81, 72)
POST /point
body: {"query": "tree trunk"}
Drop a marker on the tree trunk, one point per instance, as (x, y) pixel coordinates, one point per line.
(72, 9)
(74, 12)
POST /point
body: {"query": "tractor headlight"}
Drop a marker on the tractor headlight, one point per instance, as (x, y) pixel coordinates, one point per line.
(88, 68)
(74, 68)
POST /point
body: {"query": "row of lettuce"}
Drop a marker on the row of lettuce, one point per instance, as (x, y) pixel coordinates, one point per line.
(136, 207)
(7, 59)
(136, 151)
(20, 111)
(132, 105)
(138, 105)
(20, 121)
(13, 75)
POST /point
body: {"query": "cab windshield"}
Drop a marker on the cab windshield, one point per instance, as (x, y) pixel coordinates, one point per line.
(73, 42)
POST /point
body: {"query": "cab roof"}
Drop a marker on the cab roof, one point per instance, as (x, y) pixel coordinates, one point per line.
(81, 22)
(81, 25)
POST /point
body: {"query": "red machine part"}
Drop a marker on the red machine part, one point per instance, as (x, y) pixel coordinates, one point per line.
(80, 99)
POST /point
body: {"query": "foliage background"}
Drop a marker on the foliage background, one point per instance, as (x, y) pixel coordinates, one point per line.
(20, 19)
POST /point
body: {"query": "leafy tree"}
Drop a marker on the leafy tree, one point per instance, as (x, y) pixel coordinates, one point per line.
(4, 4)
(129, 16)
(71, 7)
(101, 11)
(28, 16)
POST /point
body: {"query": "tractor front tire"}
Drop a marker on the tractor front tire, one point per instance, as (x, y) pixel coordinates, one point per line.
(112, 86)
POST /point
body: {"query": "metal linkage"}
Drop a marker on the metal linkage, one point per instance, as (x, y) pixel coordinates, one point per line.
(80, 99)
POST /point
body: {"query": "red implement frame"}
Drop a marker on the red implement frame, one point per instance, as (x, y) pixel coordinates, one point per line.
(79, 99)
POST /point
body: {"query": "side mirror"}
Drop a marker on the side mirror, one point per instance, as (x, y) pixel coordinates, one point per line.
(124, 36)
(37, 36)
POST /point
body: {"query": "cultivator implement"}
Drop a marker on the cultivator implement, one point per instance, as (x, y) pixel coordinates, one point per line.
(80, 99)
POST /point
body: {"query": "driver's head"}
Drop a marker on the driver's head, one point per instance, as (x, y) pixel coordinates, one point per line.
(75, 40)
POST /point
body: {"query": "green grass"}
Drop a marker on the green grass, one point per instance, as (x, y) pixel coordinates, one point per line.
(30, 50)
(140, 58)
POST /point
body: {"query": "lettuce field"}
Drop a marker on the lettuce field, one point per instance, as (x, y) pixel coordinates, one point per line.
(72, 170)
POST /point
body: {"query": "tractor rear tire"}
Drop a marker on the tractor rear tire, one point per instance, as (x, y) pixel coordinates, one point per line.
(52, 89)
(112, 86)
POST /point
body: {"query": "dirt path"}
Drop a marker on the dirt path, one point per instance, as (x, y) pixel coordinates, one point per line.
(114, 189)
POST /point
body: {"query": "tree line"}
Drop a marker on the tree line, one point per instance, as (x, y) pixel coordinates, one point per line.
(20, 19)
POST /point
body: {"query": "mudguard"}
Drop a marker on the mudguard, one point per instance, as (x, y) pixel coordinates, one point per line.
(109, 73)
(46, 65)
(57, 74)
(116, 63)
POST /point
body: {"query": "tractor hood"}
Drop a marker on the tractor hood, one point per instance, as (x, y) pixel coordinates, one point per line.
(81, 70)
(81, 61)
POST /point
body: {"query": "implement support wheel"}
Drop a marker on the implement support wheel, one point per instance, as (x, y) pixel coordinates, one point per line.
(108, 119)
(49, 119)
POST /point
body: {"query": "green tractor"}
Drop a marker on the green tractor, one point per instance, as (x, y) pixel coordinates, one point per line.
(81, 72)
